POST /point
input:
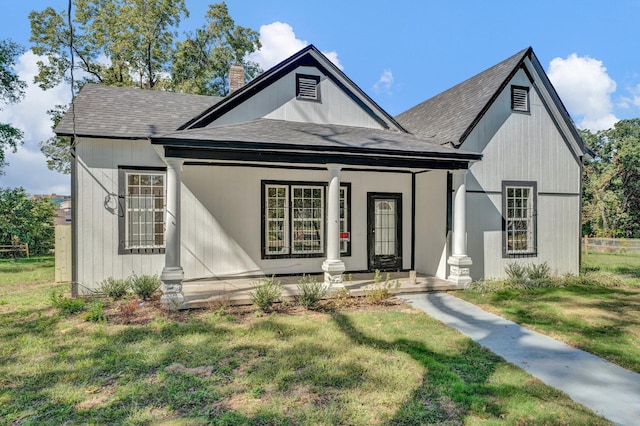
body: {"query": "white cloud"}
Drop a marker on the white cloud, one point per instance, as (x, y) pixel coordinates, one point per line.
(586, 89)
(28, 167)
(384, 83)
(279, 42)
(636, 96)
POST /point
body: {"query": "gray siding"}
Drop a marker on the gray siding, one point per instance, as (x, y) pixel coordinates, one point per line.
(522, 147)
(98, 208)
(278, 101)
(431, 223)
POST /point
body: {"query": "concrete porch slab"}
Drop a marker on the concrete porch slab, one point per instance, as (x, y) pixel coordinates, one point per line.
(236, 291)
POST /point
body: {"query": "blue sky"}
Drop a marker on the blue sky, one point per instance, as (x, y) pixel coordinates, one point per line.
(400, 53)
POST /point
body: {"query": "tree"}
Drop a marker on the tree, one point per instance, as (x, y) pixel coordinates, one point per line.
(26, 220)
(611, 199)
(57, 149)
(11, 90)
(132, 43)
(202, 61)
(113, 41)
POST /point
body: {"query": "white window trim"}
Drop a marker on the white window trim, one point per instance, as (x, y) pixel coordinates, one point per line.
(531, 219)
(125, 246)
(289, 250)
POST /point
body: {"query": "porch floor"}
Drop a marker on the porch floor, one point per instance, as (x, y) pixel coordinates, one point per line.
(236, 291)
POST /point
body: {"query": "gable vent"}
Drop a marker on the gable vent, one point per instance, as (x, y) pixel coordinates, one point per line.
(308, 87)
(520, 98)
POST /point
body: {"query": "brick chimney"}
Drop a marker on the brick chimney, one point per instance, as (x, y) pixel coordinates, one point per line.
(236, 78)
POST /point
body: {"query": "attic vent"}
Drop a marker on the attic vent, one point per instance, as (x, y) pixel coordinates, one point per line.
(308, 87)
(520, 98)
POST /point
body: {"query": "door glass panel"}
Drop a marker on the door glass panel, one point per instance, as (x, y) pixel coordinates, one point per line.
(385, 227)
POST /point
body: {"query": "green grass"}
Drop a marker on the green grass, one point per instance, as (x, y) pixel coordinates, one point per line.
(375, 366)
(619, 263)
(602, 317)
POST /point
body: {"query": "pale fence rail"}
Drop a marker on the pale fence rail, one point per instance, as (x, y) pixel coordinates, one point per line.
(610, 245)
(15, 248)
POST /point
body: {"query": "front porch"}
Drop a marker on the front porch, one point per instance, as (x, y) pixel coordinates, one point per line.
(236, 291)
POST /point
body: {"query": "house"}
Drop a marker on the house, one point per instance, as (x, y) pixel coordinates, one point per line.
(524, 197)
(300, 171)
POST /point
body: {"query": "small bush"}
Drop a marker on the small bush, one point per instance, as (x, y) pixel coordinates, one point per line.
(516, 271)
(342, 298)
(145, 286)
(66, 305)
(310, 292)
(266, 293)
(114, 288)
(95, 313)
(539, 271)
(380, 290)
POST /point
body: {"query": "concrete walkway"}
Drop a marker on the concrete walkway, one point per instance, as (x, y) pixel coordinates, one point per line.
(605, 388)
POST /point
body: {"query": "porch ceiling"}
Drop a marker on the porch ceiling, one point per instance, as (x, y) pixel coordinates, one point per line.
(268, 140)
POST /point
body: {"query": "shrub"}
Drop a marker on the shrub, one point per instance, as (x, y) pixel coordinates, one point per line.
(145, 286)
(380, 290)
(538, 271)
(95, 313)
(266, 293)
(516, 271)
(114, 288)
(310, 292)
(66, 305)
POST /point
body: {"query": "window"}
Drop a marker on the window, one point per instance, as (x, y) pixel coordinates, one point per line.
(142, 210)
(519, 219)
(294, 219)
(308, 87)
(520, 98)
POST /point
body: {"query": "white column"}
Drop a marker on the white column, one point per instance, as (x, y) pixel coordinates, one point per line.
(459, 262)
(333, 267)
(172, 273)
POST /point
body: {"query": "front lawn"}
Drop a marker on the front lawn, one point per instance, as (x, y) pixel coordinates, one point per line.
(366, 365)
(601, 319)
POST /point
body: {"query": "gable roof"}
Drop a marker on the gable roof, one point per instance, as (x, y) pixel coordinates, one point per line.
(129, 113)
(308, 56)
(449, 116)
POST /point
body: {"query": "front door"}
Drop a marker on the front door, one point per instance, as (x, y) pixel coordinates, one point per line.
(384, 231)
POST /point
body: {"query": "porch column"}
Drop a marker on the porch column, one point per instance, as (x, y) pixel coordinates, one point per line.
(333, 267)
(459, 261)
(172, 273)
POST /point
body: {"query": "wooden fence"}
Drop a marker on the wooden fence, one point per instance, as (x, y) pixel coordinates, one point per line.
(610, 245)
(15, 248)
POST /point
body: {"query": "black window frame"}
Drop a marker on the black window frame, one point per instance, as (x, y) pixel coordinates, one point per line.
(533, 252)
(122, 209)
(528, 100)
(290, 185)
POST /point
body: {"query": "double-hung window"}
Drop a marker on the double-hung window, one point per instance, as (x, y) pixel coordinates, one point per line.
(294, 217)
(141, 210)
(519, 219)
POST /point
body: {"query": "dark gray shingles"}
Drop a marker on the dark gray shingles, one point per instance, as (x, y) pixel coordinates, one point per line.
(106, 111)
(447, 116)
(292, 134)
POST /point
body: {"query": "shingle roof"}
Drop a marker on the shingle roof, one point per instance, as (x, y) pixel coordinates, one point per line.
(447, 117)
(280, 134)
(106, 111)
